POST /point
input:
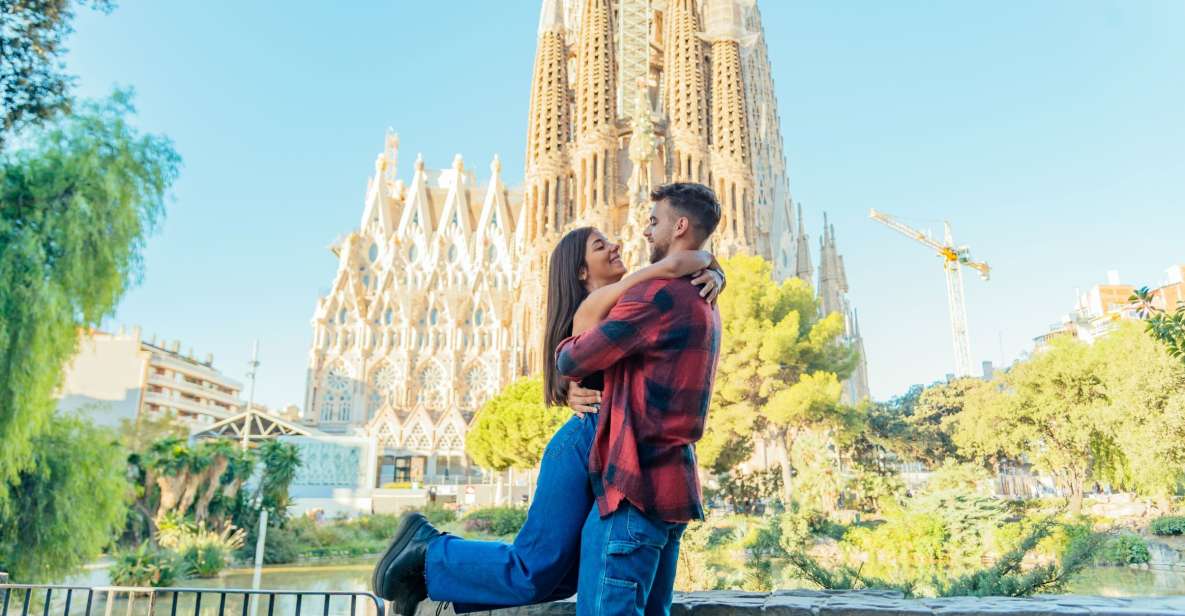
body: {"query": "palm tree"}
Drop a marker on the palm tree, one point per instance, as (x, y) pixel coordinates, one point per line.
(280, 462)
(1142, 300)
(1168, 327)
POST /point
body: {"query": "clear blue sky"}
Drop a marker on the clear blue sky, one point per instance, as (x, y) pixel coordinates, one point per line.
(1052, 134)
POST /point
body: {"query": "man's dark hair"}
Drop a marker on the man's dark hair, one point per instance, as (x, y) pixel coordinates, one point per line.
(695, 201)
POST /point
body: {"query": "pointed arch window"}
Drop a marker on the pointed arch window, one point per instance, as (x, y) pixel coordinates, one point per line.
(478, 316)
(433, 316)
(341, 316)
(452, 253)
(412, 253)
(338, 395)
(373, 253)
(388, 316)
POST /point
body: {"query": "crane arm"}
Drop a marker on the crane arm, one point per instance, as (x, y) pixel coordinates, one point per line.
(910, 232)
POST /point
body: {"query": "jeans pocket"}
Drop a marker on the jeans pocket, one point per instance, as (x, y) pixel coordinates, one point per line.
(620, 597)
(642, 529)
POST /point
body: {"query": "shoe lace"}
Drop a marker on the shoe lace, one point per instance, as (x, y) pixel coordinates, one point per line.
(440, 607)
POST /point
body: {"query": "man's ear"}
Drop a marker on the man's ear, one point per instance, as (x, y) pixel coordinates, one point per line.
(682, 226)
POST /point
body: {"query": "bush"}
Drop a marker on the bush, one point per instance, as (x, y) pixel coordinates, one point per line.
(495, 520)
(378, 526)
(438, 515)
(203, 552)
(1168, 525)
(147, 566)
(204, 560)
(1124, 549)
(280, 547)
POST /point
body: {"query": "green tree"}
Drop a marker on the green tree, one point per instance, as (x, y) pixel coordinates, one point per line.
(1048, 410)
(780, 368)
(32, 83)
(927, 434)
(280, 462)
(68, 505)
(78, 203)
(1145, 412)
(513, 427)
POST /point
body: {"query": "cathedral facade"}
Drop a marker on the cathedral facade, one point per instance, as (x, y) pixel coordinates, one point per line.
(438, 300)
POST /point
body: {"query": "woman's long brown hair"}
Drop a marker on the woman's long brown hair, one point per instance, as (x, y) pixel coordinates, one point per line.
(565, 291)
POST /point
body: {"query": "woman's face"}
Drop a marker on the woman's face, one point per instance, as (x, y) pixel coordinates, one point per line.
(602, 261)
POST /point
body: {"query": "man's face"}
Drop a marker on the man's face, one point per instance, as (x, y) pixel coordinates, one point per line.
(661, 230)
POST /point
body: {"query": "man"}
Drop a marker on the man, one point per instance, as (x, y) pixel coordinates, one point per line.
(658, 348)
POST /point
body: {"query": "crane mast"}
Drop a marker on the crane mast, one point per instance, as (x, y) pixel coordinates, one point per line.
(954, 258)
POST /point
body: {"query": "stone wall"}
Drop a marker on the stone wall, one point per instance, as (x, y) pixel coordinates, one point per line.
(875, 603)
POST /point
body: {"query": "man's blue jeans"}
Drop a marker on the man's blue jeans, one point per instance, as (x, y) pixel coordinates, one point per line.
(627, 564)
(542, 563)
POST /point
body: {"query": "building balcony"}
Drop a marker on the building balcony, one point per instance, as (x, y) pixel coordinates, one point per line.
(171, 382)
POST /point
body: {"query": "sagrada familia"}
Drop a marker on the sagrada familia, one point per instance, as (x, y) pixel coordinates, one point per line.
(438, 299)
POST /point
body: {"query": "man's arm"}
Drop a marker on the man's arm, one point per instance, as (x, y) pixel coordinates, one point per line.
(627, 328)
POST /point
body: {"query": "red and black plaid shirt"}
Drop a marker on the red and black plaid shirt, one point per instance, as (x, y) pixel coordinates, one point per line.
(658, 348)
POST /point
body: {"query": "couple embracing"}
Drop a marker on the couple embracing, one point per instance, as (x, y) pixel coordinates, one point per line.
(616, 489)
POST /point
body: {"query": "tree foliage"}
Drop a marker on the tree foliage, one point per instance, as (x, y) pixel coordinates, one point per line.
(513, 427)
(68, 505)
(1111, 412)
(1166, 326)
(918, 426)
(780, 368)
(78, 204)
(32, 83)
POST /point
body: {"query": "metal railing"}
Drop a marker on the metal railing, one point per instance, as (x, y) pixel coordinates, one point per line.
(58, 600)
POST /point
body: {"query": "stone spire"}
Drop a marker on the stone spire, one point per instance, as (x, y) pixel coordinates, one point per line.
(856, 387)
(833, 297)
(803, 268)
(641, 152)
(831, 286)
(546, 198)
(732, 173)
(772, 200)
(686, 100)
(594, 162)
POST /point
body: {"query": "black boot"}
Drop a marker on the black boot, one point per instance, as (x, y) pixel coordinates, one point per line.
(399, 576)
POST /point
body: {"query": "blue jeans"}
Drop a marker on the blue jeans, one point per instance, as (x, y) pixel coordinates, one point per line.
(628, 563)
(541, 564)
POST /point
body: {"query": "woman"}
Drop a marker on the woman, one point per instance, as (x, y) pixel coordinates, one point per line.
(586, 278)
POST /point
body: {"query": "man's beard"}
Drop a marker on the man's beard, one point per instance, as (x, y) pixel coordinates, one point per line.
(657, 252)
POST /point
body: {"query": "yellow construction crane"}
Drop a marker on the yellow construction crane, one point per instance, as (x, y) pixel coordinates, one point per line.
(953, 258)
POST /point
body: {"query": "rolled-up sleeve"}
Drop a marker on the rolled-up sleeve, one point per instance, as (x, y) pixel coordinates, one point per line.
(627, 328)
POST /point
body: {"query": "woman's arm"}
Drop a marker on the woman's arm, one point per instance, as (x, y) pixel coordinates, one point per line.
(600, 302)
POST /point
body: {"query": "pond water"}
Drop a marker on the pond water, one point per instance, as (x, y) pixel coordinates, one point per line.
(354, 575)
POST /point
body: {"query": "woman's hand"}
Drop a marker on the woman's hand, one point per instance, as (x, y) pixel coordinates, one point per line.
(583, 400)
(712, 284)
(686, 262)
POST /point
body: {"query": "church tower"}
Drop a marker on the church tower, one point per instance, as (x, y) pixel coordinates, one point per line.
(833, 297)
(594, 159)
(732, 173)
(547, 199)
(686, 93)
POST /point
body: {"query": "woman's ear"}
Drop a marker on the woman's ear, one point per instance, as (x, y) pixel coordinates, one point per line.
(583, 273)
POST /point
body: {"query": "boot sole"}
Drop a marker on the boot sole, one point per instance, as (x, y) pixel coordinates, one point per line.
(403, 535)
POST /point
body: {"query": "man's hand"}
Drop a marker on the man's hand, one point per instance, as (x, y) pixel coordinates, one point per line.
(712, 284)
(582, 400)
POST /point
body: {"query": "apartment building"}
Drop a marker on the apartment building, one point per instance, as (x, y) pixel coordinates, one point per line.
(121, 376)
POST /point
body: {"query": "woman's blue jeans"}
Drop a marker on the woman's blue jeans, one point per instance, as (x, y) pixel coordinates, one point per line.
(543, 562)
